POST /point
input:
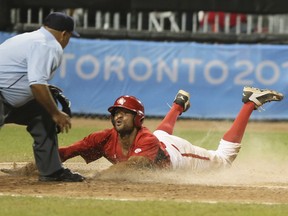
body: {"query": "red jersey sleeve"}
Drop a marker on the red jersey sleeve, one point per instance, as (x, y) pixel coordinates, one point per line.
(90, 148)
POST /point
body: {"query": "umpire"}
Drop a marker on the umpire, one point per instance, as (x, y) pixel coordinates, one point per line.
(27, 62)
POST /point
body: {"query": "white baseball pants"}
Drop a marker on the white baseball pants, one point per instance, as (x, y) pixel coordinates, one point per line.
(184, 155)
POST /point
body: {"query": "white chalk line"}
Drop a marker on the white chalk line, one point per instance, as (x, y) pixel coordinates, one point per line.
(143, 199)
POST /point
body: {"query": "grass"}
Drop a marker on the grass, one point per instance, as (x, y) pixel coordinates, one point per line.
(16, 145)
(14, 206)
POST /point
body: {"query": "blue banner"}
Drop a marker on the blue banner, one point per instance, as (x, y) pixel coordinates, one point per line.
(95, 72)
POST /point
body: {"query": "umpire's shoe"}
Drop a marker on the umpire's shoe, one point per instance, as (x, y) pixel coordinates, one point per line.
(260, 96)
(63, 175)
(183, 99)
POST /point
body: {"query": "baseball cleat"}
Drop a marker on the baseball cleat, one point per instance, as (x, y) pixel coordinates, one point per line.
(183, 99)
(65, 175)
(260, 96)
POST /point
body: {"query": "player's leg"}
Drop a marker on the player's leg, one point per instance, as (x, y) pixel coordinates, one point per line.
(253, 98)
(185, 155)
(180, 104)
(236, 131)
(182, 153)
(230, 143)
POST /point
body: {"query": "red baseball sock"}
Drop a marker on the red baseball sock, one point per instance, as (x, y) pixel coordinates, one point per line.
(236, 131)
(170, 119)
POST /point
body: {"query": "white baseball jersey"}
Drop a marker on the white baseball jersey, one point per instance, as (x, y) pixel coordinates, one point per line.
(27, 59)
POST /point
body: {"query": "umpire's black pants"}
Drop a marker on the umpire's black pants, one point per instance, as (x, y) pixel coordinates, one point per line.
(41, 127)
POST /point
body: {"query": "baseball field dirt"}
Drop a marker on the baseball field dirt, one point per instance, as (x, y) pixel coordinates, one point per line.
(252, 180)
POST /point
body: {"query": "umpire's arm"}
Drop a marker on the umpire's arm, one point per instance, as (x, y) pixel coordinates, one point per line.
(42, 94)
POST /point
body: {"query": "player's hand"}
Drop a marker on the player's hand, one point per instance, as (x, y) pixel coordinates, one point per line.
(63, 121)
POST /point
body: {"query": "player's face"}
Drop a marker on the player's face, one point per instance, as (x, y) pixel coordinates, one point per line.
(123, 120)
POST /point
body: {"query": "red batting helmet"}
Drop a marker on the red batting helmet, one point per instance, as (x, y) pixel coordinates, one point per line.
(131, 103)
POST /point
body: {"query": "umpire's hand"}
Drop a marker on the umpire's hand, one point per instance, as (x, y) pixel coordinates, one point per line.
(43, 95)
(63, 121)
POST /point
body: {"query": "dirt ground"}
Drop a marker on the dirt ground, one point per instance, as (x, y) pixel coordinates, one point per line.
(258, 181)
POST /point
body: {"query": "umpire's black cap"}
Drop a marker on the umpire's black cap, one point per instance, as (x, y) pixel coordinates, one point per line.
(61, 22)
